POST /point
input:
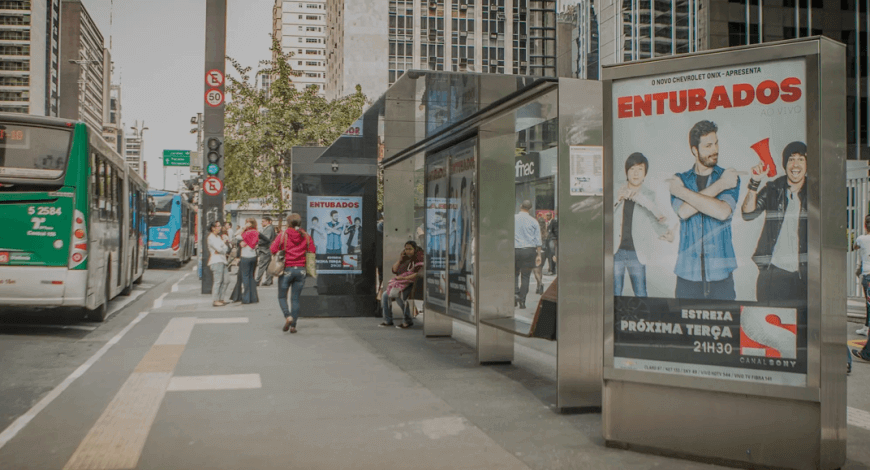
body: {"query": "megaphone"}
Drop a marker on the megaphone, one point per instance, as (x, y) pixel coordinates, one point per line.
(762, 148)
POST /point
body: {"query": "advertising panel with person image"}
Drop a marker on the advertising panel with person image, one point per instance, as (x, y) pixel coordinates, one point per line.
(461, 257)
(437, 214)
(710, 223)
(335, 225)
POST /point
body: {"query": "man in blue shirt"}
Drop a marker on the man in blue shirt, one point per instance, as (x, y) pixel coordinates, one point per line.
(527, 251)
(334, 229)
(704, 198)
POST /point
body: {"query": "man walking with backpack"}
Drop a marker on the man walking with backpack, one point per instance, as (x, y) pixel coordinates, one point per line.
(267, 236)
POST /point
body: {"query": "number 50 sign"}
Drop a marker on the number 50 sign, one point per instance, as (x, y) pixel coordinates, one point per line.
(214, 98)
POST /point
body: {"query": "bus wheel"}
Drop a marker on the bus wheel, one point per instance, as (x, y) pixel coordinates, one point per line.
(99, 314)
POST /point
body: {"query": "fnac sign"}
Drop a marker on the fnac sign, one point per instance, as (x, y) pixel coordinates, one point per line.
(527, 167)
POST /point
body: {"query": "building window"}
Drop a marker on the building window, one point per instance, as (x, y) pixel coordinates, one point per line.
(737, 34)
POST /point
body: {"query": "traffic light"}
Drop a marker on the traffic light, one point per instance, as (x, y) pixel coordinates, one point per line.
(214, 156)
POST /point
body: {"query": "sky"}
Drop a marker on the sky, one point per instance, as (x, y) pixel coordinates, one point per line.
(158, 49)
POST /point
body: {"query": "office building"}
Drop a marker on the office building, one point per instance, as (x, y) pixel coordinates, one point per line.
(133, 152)
(29, 57)
(113, 127)
(356, 50)
(577, 46)
(630, 28)
(84, 66)
(301, 27)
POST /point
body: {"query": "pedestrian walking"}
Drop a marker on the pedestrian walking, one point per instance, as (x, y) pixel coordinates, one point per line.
(295, 243)
(527, 251)
(410, 263)
(217, 262)
(862, 244)
(267, 236)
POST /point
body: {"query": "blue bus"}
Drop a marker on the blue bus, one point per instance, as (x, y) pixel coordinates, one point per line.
(172, 228)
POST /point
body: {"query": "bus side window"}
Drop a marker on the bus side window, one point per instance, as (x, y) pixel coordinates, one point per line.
(119, 195)
(101, 186)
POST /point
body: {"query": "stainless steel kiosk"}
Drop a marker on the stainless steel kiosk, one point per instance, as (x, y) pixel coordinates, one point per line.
(725, 219)
(499, 179)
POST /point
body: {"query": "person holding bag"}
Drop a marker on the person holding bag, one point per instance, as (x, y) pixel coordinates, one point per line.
(296, 245)
(406, 268)
(248, 240)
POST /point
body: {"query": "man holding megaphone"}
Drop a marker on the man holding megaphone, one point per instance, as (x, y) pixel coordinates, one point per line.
(781, 254)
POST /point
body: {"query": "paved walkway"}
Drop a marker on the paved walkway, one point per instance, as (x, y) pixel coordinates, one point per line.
(195, 387)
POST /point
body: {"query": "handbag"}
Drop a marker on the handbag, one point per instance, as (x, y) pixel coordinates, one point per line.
(310, 259)
(276, 266)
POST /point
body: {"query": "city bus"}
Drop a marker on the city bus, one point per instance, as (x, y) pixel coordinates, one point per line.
(75, 217)
(172, 227)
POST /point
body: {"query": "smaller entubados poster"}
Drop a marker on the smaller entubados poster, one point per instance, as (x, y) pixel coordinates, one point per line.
(710, 223)
(335, 224)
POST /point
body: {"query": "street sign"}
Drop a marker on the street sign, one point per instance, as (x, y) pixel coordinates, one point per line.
(212, 169)
(214, 78)
(176, 158)
(212, 186)
(214, 98)
(195, 162)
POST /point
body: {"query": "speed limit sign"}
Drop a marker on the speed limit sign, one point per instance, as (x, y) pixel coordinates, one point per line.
(214, 98)
(212, 186)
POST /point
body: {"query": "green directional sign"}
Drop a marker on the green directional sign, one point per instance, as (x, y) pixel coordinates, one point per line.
(176, 158)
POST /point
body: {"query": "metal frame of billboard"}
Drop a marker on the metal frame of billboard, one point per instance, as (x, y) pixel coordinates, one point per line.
(637, 403)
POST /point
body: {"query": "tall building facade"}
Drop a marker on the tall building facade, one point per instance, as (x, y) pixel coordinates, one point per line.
(639, 29)
(356, 49)
(301, 27)
(83, 81)
(487, 36)
(29, 56)
(133, 153)
(113, 127)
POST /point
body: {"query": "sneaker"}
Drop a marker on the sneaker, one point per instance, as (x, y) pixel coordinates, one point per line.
(385, 324)
(405, 325)
(857, 354)
(862, 331)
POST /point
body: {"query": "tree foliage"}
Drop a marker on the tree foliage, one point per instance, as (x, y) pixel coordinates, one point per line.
(263, 125)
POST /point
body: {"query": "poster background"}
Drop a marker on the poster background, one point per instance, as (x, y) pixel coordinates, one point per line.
(347, 206)
(461, 265)
(437, 230)
(663, 139)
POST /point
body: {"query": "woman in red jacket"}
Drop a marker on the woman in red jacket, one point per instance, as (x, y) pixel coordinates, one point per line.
(295, 243)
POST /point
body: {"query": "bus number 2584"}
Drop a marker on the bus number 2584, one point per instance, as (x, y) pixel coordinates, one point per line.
(44, 210)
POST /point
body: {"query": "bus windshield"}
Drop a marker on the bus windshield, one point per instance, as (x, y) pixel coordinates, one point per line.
(162, 209)
(37, 153)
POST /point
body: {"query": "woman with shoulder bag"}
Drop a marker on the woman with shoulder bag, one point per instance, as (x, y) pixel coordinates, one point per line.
(295, 243)
(217, 262)
(406, 270)
(248, 240)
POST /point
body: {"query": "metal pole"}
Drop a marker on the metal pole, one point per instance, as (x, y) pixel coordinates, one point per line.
(857, 82)
(652, 28)
(797, 19)
(809, 17)
(673, 27)
(747, 23)
(760, 21)
(215, 53)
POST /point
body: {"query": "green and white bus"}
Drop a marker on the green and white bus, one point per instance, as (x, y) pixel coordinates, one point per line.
(73, 217)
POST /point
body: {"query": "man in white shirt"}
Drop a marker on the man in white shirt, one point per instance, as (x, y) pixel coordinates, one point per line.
(527, 251)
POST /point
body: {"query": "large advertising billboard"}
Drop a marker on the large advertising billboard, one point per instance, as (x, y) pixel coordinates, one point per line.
(710, 223)
(461, 241)
(335, 225)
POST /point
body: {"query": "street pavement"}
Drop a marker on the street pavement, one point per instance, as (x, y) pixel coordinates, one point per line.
(179, 384)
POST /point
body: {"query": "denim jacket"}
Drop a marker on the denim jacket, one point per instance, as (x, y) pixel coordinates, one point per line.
(702, 234)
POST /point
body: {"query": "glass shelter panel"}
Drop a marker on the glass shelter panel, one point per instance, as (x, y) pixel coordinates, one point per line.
(536, 216)
(436, 232)
(461, 282)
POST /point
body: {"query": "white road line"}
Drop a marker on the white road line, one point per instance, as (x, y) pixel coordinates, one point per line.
(27, 417)
(214, 382)
(123, 303)
(859, 418)
(53, 327)
(159, 302)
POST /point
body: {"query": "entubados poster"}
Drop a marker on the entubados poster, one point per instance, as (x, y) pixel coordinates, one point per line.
(335, 225)
(461, 281)
(710, 223)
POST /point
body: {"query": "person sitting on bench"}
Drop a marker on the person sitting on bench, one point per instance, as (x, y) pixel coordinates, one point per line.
(406, 268)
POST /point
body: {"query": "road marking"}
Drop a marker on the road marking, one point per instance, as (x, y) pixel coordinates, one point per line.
(159, 302)
(53, 327)
(207, 321)
(123, 303)
(27, 417)
(859, 418)
(215, 382)
(117, 438)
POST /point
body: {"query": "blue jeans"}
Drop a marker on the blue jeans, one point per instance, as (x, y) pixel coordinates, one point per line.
(293, 279)
(402, 300)
(625, 259)
(247, 266)
(865, 283)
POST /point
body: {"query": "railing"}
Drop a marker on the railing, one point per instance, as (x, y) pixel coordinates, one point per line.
(857, 195)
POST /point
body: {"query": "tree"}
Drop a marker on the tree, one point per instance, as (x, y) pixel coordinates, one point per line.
(262, 126)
